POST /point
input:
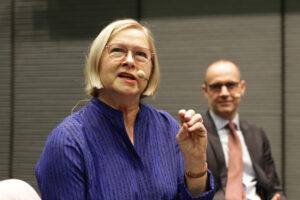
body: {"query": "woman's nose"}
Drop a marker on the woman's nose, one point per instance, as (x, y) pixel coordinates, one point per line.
(129, 59)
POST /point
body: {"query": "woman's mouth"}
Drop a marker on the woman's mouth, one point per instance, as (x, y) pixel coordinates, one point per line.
(127, 76)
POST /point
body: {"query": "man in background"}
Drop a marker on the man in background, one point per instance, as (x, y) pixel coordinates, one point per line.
(238, 153)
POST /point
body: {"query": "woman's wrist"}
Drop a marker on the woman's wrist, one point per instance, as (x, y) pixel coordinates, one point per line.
(190, 174)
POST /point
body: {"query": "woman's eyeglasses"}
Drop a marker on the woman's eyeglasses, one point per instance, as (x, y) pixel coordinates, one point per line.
(120, 51)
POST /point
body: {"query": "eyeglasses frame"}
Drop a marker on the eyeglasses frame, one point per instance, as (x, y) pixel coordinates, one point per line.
(152, 54)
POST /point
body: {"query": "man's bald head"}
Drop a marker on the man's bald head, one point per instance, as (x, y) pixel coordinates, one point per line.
(222, 65)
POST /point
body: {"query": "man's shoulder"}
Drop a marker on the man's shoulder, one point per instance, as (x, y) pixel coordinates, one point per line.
(244, 124)
(254, 129)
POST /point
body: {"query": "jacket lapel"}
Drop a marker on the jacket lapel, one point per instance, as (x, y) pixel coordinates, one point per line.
(250, 142)
(214, 141)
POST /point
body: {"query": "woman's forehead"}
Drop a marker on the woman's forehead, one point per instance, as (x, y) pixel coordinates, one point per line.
(131, 37)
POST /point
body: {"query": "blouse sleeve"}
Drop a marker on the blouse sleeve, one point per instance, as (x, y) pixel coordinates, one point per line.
(208, 195)
(60, 170)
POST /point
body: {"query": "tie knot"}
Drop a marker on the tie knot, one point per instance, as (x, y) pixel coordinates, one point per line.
(231, 126)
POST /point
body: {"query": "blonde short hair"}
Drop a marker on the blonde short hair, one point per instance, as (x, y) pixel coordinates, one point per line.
(92, 72)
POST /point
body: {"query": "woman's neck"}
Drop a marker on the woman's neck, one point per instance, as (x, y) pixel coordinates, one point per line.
(129, 106)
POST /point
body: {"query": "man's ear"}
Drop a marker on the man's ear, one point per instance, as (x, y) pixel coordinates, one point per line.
(204, 90)
(243, 87)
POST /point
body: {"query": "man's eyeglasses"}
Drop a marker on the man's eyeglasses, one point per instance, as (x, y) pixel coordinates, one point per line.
(119, 52)
(231, 85)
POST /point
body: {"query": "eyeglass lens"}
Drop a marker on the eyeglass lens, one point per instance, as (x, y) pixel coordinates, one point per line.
(119, 52)
(229, 85)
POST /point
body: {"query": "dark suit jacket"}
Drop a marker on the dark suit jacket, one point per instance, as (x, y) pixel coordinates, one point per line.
(260, 153)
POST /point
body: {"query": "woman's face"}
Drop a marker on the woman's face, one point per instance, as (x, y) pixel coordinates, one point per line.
(126, 53)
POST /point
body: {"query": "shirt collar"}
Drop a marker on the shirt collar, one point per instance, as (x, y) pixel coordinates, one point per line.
(221, 122)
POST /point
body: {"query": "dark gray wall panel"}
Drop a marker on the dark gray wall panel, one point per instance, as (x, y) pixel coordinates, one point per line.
(5, 86)
(292, 72)
(192, 8)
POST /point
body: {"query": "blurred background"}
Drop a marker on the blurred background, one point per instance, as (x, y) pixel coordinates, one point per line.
(44, 43)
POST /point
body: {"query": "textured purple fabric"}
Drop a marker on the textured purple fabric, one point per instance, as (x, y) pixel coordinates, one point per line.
(90, 156)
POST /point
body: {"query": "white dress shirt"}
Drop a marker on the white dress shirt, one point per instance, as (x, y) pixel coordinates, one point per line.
(249, 176)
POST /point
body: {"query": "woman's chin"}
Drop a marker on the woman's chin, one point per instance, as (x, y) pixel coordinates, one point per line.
(130, 92)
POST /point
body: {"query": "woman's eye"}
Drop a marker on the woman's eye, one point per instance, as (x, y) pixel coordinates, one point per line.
(141, 53)
(118, 49)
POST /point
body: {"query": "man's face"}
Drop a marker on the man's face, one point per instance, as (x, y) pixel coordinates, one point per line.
(224, 89)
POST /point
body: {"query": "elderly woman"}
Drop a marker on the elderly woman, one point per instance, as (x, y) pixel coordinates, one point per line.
(116, 147)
